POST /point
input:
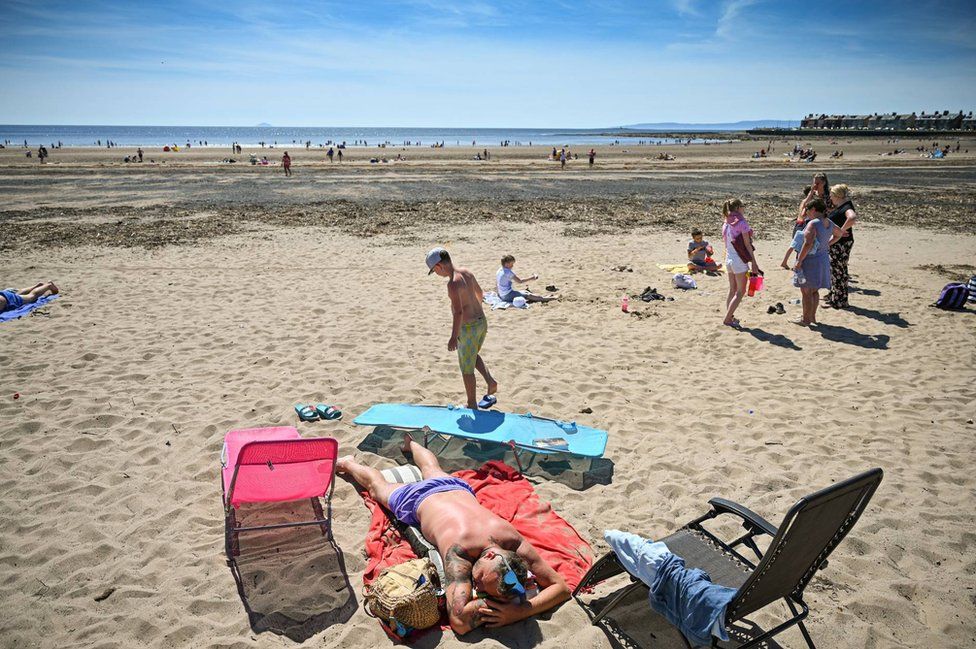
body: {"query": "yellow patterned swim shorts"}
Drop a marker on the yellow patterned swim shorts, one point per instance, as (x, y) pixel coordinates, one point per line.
(470, 340)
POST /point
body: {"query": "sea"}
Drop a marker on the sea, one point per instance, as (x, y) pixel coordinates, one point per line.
(224, 136)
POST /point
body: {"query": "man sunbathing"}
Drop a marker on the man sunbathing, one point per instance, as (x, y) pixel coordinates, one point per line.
(481, 551)
(11, 298)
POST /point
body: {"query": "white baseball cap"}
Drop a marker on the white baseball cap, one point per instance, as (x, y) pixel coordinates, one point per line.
(435, 257)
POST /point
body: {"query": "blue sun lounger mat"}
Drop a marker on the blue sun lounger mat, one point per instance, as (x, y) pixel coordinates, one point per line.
(535, 434)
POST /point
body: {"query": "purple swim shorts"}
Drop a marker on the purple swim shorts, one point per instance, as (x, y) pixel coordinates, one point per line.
(405, 500)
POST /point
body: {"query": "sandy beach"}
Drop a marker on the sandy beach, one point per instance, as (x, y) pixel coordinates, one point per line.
(200, 296)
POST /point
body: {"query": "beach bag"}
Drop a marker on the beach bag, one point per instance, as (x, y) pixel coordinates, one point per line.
(953, 296)
(972, 288)
(681, 280)
(404, 597)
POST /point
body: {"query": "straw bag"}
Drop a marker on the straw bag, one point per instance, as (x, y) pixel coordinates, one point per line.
(404, 597)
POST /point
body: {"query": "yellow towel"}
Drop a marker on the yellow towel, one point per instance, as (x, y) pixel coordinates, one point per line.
(674, 268)
(677, 268)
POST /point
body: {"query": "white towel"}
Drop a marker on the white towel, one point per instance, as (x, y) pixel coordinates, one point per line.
(495, 302)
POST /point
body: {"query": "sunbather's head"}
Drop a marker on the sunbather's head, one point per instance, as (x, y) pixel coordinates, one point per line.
(508, 261)
(500, 573)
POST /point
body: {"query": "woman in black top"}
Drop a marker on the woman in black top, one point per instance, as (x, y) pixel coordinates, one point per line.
(844, 217)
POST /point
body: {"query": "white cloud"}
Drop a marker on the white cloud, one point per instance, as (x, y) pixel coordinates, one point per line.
(729, 22)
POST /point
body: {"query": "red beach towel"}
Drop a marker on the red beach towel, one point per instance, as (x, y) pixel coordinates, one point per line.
(502, 490)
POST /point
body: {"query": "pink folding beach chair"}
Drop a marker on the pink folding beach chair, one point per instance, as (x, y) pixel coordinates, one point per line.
(261, 465)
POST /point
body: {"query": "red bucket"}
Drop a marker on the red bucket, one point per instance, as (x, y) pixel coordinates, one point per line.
(755, 284)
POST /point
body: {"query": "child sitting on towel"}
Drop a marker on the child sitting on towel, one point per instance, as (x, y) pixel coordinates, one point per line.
(13, 299)
(504, 278)
(700, 254)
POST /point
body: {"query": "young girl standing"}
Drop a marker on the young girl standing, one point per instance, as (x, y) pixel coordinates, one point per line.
(739, 256)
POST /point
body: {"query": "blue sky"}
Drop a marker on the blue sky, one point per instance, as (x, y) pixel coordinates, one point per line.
(483, 63)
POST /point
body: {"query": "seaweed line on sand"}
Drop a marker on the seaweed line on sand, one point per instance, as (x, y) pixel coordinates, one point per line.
(164, 225)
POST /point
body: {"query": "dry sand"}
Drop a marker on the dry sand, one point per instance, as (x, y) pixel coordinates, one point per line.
(129, 381)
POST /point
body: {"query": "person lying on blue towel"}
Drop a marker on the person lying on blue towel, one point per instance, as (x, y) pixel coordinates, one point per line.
(11, 298)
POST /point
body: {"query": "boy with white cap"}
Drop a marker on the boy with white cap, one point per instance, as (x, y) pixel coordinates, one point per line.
(469, 327)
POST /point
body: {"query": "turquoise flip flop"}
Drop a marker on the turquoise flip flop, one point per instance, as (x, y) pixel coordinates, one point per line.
(306, 413)
(328, 413)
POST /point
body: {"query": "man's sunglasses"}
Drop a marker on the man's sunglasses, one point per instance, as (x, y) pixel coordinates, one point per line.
(511, 580)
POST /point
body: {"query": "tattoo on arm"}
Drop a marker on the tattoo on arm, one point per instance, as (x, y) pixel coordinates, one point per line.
(457, 565)
(457, 571)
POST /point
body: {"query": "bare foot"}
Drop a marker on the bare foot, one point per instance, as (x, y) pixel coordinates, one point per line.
(407, 441)
(493, 387)
(342, 463)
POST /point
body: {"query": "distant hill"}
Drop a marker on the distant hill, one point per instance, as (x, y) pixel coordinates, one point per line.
(744, 125)
(264, 125)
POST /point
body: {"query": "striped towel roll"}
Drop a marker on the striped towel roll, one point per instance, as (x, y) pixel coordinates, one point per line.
(404, 474)
(972, 288)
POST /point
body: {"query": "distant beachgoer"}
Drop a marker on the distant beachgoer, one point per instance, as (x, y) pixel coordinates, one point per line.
(330, 153)
(739, 256)
(504, 278)
(844, 216)
(11, 298)
(562, 158)
(339, 155)
(139, 153)
(592, 156)
(812, 270)
(286, 163)
(700, 253)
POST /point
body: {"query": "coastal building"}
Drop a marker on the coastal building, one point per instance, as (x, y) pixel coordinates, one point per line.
(937, 121)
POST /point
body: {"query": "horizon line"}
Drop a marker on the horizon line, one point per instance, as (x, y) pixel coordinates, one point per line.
(550, 127)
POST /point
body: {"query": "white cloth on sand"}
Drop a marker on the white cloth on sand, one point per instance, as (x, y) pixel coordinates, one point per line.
(495, 302)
